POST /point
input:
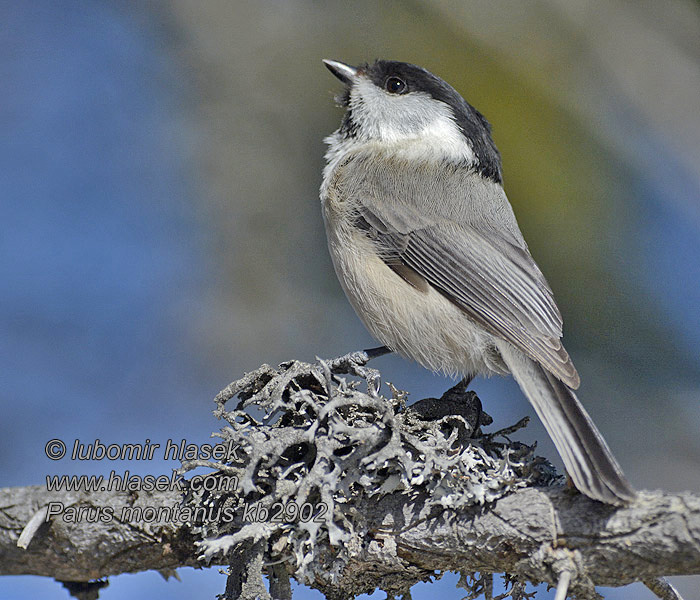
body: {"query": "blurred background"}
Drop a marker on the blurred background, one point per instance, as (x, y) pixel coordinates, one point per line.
(161, 230)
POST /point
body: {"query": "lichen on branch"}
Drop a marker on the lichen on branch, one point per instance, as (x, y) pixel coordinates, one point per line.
(315, 447)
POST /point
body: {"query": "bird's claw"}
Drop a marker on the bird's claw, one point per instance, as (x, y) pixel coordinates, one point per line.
(353, 363)
(349, 363)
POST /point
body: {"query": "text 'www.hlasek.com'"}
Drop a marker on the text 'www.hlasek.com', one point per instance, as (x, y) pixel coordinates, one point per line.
(89, 509)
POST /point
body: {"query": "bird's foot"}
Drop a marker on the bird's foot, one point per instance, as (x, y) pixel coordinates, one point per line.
(354, 363)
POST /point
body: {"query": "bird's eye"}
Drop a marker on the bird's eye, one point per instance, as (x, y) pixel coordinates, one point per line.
(394, 85)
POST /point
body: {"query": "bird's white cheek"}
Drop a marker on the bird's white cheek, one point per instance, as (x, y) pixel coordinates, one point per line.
(414, 125)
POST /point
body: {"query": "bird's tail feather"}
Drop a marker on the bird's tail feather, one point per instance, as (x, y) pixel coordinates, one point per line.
(586, 456)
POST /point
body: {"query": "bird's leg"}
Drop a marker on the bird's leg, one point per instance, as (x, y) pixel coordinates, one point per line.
(350, 362)
(462, 387)
(464, 384)
(377, 352)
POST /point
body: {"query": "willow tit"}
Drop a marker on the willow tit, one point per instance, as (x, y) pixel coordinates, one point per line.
(428, 251)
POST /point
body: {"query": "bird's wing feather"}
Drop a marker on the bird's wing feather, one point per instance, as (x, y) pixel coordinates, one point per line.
(487, 275)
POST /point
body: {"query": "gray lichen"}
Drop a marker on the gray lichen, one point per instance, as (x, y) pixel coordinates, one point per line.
(313, 445)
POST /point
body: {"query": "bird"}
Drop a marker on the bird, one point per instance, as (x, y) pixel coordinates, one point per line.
(428, 251)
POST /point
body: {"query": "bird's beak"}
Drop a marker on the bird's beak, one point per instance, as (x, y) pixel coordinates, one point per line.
(344, 72)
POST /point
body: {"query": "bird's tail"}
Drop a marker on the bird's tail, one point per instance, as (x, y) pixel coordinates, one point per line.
(586, 456)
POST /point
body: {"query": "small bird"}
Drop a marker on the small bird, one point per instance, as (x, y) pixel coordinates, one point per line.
(428, 251)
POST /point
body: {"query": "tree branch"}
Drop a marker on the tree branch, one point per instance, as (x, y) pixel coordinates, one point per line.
(394, 495)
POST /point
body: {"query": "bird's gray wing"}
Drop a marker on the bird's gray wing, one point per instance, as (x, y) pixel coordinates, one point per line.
(486, 273)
